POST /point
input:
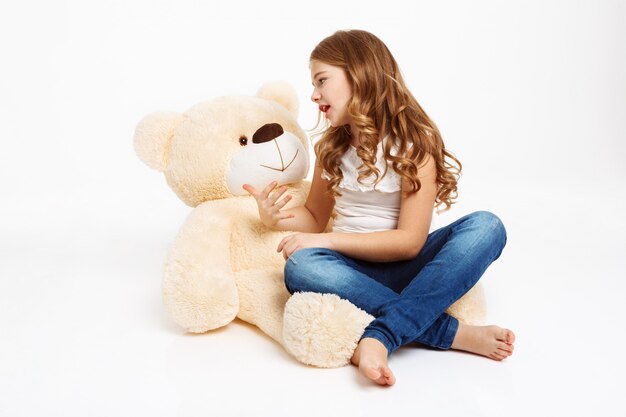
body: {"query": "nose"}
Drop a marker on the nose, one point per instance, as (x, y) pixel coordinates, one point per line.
(267, 132)
(315, 96)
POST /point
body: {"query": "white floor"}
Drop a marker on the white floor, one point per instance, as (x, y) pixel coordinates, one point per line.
(84, 331)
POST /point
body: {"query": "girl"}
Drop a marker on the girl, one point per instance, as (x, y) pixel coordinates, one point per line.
(381, 164)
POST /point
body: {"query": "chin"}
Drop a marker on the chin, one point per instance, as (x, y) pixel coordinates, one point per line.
(334, 123)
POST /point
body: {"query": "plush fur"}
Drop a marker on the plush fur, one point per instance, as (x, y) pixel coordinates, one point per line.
(223, 263)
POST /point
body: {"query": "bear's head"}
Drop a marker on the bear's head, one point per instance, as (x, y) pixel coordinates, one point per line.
(212, 149)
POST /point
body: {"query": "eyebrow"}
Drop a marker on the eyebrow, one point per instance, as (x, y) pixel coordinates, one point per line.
(315, 76)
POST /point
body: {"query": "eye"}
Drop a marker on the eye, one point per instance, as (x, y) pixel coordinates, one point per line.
(243, 141)
(321, 80)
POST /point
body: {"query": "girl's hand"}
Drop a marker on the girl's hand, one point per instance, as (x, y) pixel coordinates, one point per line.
(292, 243)
(269, 209)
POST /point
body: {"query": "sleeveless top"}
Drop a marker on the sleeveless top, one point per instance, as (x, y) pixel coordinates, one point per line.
(362, 207)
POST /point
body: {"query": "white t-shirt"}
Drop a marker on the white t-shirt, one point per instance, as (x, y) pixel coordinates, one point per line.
(361, 207)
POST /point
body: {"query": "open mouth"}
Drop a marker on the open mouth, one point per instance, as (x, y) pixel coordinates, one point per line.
(324, 108)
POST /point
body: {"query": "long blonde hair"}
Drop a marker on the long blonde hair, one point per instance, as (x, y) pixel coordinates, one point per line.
(381, 104)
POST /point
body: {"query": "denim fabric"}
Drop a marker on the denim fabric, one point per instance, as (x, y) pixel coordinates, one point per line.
(407, 298)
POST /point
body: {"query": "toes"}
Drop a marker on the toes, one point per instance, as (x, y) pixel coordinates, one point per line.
(510, 337)
(496, 356)
(391, 379)
(506, 335)
(505, 352)
(382, 375)
(384, 380)
(381, 381)
(505, 347)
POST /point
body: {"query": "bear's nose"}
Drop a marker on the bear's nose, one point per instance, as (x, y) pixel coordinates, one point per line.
(267, 132)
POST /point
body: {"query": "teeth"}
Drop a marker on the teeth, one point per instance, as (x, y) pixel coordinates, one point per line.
(324, 108)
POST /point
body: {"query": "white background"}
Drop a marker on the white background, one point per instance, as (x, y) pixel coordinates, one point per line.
(529, 95)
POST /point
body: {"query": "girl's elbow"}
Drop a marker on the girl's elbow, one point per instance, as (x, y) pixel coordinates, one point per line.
(410, 254)
(412, 250)
(411, 244)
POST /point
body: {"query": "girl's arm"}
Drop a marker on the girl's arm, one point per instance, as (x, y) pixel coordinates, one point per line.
(406, 241)
(314, 215)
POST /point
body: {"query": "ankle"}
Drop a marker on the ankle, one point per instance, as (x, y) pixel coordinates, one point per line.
(461, 338)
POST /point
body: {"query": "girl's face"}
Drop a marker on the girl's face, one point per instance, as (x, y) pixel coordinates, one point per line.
(331, 91)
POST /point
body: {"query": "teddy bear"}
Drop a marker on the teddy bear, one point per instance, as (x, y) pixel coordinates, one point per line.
(223, 263)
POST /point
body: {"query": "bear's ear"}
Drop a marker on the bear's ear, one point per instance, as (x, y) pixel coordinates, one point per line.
(283, 93)
(153, 136)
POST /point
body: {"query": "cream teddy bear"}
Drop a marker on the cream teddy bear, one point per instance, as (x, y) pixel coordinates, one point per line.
(223, 263)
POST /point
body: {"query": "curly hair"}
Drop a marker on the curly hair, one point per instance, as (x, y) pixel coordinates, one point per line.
(380, 105)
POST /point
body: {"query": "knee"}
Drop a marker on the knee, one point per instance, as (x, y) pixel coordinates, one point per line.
(491, 225)
(300, 269)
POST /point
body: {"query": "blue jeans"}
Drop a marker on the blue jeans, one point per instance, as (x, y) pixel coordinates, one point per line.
(407, 298)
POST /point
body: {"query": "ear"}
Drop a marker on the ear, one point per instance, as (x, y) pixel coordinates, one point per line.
(281, 92)
(153, 136)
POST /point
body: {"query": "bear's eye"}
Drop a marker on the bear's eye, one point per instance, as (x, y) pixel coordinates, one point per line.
(243, 141)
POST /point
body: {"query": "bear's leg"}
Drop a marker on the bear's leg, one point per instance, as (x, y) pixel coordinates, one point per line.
(322, 329)
(262, 298)
(198, 289)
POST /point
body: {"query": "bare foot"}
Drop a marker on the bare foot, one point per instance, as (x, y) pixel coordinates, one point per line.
(371, 358)
(491, 341)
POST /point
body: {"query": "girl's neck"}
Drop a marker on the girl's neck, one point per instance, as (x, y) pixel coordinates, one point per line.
(354, 136)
